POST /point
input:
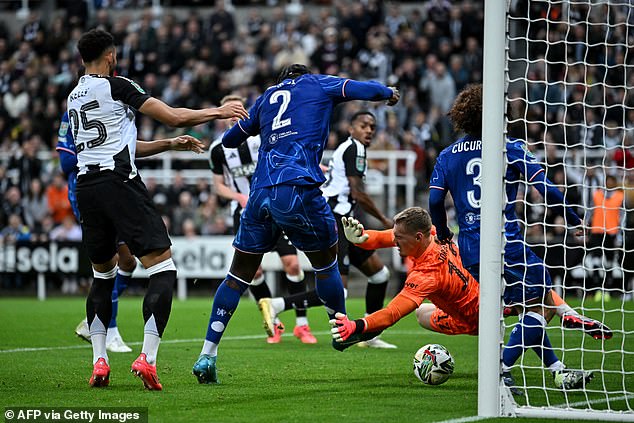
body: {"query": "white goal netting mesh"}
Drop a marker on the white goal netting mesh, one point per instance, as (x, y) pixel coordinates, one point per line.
(570, 95)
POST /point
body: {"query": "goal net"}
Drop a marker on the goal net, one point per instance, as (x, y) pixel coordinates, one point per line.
(568, 91)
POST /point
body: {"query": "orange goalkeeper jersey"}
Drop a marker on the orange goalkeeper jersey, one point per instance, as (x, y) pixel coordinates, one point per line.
(437, 275)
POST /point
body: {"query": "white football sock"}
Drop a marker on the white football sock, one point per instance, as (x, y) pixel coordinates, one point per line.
(301, 321)
(151, 340)
(112, 334)
(278, 304)
(210, 348)
(98, 340)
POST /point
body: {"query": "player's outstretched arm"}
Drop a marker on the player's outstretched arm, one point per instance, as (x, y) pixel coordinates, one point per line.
(555, 199)
(342, 89)
(399, 307)
(180, 143)
(370, 90)
(368, 240)
(179, 117)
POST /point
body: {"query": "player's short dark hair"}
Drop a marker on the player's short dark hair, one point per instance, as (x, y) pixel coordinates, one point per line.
(292, 71)
(414, 219)
(466, 112)
(93, 44)
(362, 113)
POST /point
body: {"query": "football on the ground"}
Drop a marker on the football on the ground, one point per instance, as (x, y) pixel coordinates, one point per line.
(433, 364)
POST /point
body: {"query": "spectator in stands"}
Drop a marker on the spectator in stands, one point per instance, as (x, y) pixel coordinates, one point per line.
(184, 211)
(458, 71)
(394, 19)
(35, 204)
(221, 24)
(16, 100)
(329, 53)
(624, 155)
(602, 246)
(590, 130)
(68, 230)
(15, 231)
(41, 232)
(613, 135)
(473, 59)
(11, 204)
(57, 198)
(440, 85)
(5, 183)
(11, 234)
(188, 229)
(26, 167)
(201, 192)
(374, 59)
(206, 215)
(174, 189)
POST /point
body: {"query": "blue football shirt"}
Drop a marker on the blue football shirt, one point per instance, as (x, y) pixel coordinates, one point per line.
(458, 170)
(293, 121)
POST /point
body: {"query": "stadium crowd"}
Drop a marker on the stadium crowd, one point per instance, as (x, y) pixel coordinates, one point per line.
(195, 60)
(430, 50)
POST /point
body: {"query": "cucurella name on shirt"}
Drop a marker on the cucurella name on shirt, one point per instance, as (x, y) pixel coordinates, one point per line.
(469, 145)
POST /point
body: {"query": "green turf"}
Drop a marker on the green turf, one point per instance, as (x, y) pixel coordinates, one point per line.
(260, 382)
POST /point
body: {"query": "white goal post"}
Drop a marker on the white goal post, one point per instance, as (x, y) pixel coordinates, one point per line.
(560, 76)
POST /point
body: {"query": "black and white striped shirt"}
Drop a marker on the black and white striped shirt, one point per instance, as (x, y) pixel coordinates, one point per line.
(235, 164)
(349, 159)
(101, 117)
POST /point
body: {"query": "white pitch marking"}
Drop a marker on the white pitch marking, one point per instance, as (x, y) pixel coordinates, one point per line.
(174, 341)
(596, 401)
(464, 419)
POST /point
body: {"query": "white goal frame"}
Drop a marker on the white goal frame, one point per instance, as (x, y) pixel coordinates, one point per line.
(494, 399)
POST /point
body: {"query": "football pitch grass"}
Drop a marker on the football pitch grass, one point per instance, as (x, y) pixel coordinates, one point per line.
(43, 364)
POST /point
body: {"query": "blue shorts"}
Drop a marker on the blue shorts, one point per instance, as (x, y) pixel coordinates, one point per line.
(298, 210)
(525, 275)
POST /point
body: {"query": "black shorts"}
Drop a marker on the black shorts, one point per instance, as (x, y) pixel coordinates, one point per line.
(347, 252)
(116, 209)
(283, 247)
